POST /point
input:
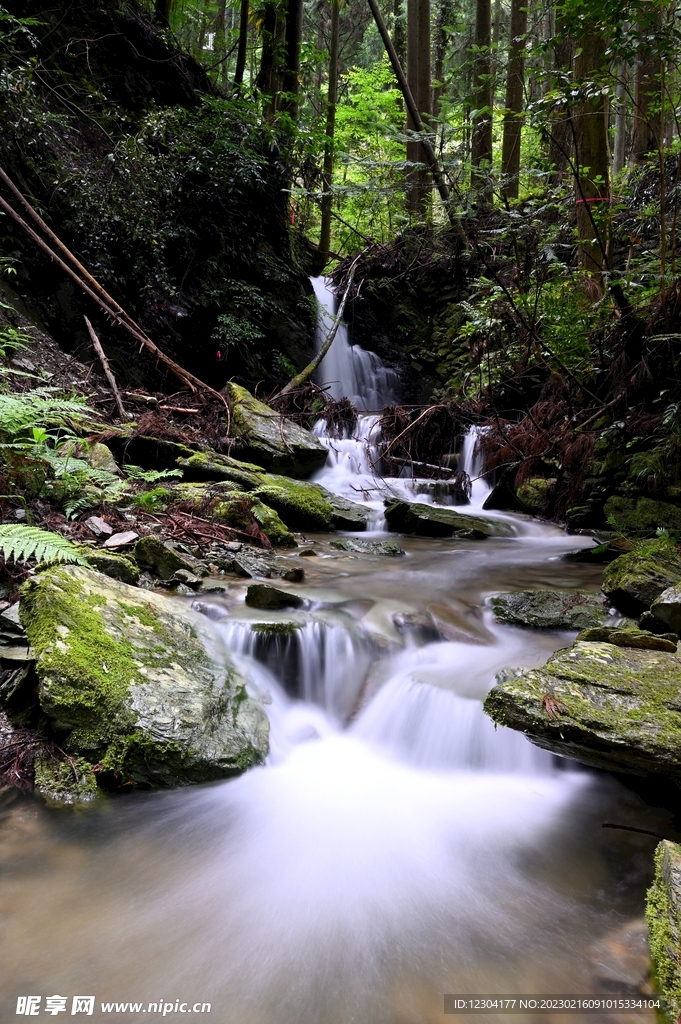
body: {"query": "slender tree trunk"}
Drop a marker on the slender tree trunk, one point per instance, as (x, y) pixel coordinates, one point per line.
(265, 80)
(292, 40)
(399, 33)
(413, 147)
(591, 158)
(481, 147)
(243, 40)
(619, 154)
(332, 97)
(561, 130)
(444, 16)
(647, 130)
(515, 89)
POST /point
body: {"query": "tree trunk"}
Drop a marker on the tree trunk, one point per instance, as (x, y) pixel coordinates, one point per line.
(243, 40)
(413, 147)
(162, 11)
(265, 80)
(647, 131)
(561, 129)
(444, 16)
(619, 156)
(292, 40)
(332, 96)
(591, 158)
(515, 89)
(481, 146)
(399, 34)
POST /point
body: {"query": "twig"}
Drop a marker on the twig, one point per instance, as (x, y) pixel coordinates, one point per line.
(96, 344)
(630, 828)
(405, 431)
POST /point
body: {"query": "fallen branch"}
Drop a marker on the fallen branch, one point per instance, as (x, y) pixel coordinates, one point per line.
(82, 277)
(305, 374)
(97, 346)
(405, 431)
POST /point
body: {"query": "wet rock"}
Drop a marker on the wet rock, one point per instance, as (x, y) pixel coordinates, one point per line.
(533, 494)
(118, 567)
(307, 553)
(459, 625)
(368, 547)
(663, 916)
(163, 560)
(259, 595)
(99, 527)
(293, 575)
(639, 639)
(437, 521)
(306, 506)
(550, 609)
(502, 497)
(186, 577)
(265, 437)
(121, 540)
(603, 553)
(416, 626)
(642, 517)
(138, 683)
(622, 960)
(611, 707)
(667, 608)
(634, 580)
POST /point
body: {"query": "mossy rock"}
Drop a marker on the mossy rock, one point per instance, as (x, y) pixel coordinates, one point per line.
(610, 707)
(639, 639)
(117, 567)
(360, 546)
(667, 608)
(550, 609)
(70, 782)
(265, 437)
(642, 517)
(260, 595)
(634, 580)
(307, 506)
(533, 493)
(163, 560)
(435, 521)
(201, 467)
(137, 682)
(663, 916)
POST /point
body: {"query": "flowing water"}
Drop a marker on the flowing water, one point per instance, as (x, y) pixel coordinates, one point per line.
(396, 846)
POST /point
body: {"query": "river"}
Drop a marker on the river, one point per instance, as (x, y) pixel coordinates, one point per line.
(396, 846)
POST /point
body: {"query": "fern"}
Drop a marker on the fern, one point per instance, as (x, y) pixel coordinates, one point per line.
(20, 412)
(24, 542)
(150, 476)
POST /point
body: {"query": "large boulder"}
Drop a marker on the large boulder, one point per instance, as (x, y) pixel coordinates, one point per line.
(137, 683)
(611, 707)
(641, 517)
(265, 437)
(663, 915)
(667, 608)
(551, 609)
(438, 521)
(634, 580)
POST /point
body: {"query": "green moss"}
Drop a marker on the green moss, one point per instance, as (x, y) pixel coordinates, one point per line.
(641, 517)
(634, 580)
(664, 926)
(65, 783)
(117, 567)
(533, 493)
(302, 506)
(276, 628)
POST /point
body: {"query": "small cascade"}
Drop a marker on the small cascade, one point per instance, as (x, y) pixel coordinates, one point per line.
(472, 462)
(348, 371)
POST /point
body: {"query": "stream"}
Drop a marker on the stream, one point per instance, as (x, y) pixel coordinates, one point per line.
(396, 846)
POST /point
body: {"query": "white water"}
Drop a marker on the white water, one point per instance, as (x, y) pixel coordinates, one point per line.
(395, 847)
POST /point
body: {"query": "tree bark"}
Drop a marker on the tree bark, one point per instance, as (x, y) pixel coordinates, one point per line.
(265, 80)
(647, 131)
(399, 33)
(162, 11)
(243, 40)
(292, 40)
(561, 129)
(444, 15)
(591, 157)
(418, 78)
(331, 99)
(619, 155)
(515, 90)
(481, 146)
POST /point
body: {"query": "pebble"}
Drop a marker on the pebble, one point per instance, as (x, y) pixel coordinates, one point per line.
(121, 540)
(98, 526)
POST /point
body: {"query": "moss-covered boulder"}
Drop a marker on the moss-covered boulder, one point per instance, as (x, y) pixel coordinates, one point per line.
(138, 683)
(118, 567)
(611, 707)
(550, 609)
(265, 437)
(162, 559)
(438, 521)
(639, 639)
(69, 782)
(533, 494)
(663, 916)
(641, 517)
(634, 580)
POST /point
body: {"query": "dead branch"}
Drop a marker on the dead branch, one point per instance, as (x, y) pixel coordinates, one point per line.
(108, 373)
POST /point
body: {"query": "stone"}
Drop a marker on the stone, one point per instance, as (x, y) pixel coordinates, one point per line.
(640, 639)
(641, 517)
(269, 439)
(10, 619)
(98, 526)
(307, 553)
(118, 567)
(368, 547)
(550, 609)
(121, 540)
(163, 560)
(186, 577)
(293, 575)
(99, 456)
(9, 652)
(533, 493)
(502, 497)
(138, 683)
(20, 515)
(606, 552)
(667, 608)
(634, 580)
(259, 595)
(307, 506)
(617, 708)
(439, 521)
(663, 916)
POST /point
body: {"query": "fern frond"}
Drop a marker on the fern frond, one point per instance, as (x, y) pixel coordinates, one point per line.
(75, 506)
(24, 542)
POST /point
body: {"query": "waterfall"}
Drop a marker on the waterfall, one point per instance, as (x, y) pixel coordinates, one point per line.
(348, 371)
